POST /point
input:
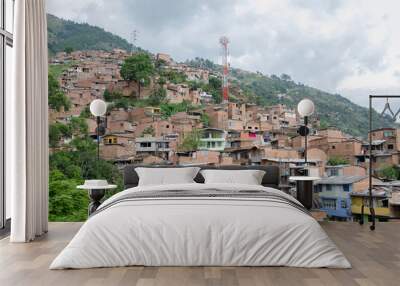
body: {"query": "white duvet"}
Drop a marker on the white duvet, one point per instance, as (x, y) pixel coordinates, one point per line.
(202, 232)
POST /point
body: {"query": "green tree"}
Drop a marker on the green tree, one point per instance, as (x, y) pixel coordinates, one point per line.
(191, 141)
(56, 132)
(174, 76)
(66, 203)
(78, 126)
(138, 68)
(68, 50)
(286, 77)
(205, 119)
(323, 124)
(169, 109)
(85, 113)
(215, 88)
(389, 172)
(157, 97)
(56, 97)
(162, 80)
(337, 160)
(148, 131)
(112, 96)
(159, 63)
(107, 95)
(54, 135)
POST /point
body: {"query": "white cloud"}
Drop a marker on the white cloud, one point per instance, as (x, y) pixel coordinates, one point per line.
(343, 46)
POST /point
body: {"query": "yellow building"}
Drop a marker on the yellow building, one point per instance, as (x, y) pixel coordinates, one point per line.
(110, 139)
(380, 203)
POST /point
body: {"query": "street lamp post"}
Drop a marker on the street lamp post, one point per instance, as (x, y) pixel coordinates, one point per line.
(98, 108)
(305, 108)
(304, 184)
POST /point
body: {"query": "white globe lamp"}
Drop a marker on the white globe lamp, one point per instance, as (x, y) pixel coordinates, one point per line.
(98, 107)
(305, 107)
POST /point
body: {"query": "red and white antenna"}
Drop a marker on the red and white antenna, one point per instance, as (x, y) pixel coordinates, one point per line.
(224, 41)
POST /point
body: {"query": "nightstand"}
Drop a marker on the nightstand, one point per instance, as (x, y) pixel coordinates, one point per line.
(96, 190)
(304, 189)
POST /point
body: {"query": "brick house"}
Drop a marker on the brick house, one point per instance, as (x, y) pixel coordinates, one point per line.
(117, 146)
(177, 93)
(218, 116)
(199, 158)
(153, 146)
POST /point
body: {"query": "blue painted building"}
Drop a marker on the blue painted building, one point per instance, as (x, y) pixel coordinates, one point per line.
(334, 194)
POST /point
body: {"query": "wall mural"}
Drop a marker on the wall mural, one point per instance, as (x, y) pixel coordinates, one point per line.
(164, 112)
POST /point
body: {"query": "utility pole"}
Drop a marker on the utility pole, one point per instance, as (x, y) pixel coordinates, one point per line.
(224, 41)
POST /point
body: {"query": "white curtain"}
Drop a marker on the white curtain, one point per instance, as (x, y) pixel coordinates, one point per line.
(27, 124)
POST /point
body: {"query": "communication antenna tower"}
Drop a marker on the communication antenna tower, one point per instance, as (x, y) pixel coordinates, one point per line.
(134, 36)
(224, 41)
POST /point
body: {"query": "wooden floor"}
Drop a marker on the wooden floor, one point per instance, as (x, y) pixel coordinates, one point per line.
(375, 257)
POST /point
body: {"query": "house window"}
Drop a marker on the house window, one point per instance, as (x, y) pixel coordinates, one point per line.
(390, 147)
(333, 147)
(329, 187)
(6, 45)
(334, 172)
(145, 144)
(343, 204)
(329, 203)
(387, 133)
(346, 188)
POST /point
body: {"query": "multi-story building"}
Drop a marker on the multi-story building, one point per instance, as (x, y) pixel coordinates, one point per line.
(385, 149)
(153, 146)
(345, 170)
(213, 139)
(334, 194)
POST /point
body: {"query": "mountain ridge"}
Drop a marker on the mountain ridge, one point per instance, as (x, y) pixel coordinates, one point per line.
(64, 34)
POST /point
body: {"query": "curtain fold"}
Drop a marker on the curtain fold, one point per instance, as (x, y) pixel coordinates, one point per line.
(27, 124)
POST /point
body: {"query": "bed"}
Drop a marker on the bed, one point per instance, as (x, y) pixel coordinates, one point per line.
(201, 224)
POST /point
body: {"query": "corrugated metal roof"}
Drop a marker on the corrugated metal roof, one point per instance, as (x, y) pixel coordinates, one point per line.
(337, 166)
(340, 180)
(289, 160)
(365, 193)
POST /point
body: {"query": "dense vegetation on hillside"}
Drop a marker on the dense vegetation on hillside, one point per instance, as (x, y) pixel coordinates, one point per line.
(73, 162)
(332, 109)
(67, 35)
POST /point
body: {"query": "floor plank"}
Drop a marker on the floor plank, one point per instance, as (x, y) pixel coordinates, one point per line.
(375, 257)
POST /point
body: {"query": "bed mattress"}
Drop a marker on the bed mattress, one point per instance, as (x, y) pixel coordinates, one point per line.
(201, 225)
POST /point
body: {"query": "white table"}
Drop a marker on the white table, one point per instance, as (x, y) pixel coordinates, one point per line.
(304, 189)
(96, 193)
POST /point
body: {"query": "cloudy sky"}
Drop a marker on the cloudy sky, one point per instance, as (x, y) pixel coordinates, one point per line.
(351, 47)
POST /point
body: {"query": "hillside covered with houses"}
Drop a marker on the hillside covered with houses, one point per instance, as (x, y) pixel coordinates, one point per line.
(172, 113)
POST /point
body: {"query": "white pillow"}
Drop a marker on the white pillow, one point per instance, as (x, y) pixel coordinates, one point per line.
(247, 177)
(166, 176)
